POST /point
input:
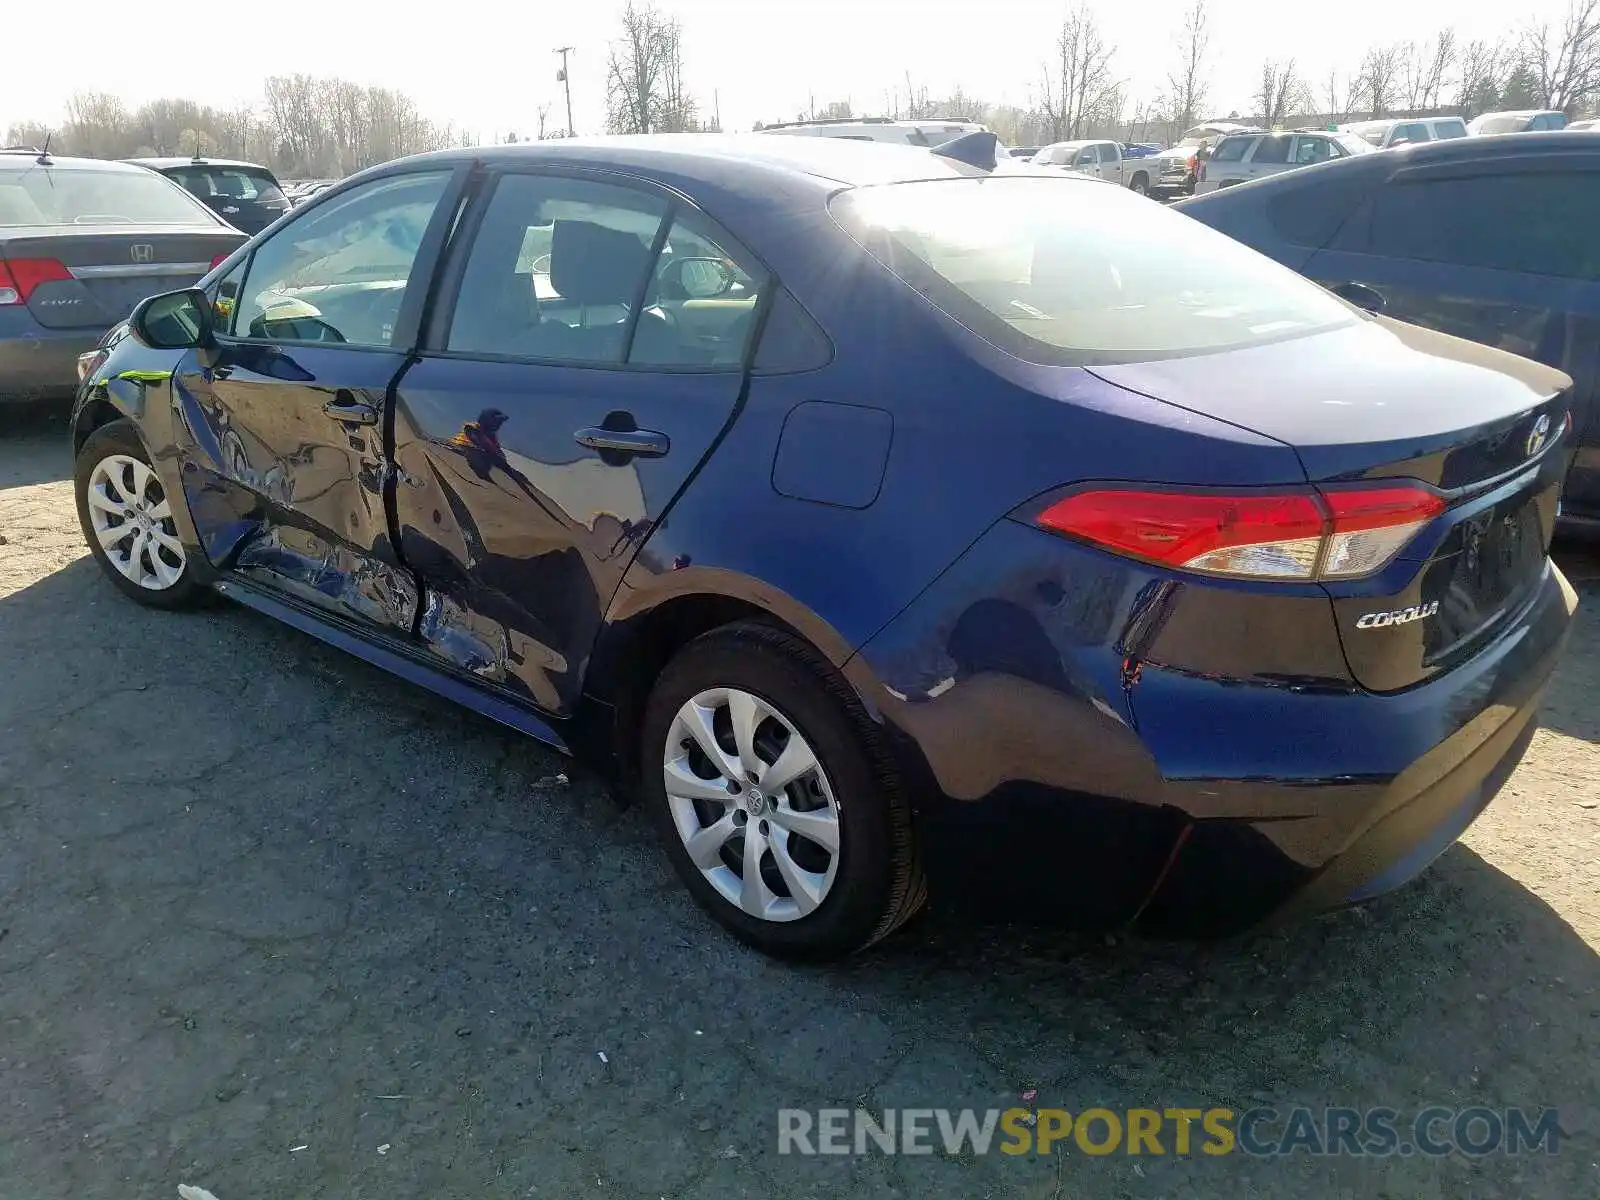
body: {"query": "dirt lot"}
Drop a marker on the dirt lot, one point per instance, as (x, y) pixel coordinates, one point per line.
(276, 924)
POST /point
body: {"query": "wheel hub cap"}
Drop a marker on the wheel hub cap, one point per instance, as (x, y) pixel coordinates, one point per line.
(132, 521)
(752, 804)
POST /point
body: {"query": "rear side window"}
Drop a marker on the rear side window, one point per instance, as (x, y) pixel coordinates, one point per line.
(1108, 153)
(1274, 148)
(1411, 131)
(1452, 128)
(1547, 121)
(1231, 149)
(1057, 271)
(1535, 224)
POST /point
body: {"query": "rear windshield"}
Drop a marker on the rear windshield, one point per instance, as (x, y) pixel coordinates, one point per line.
(1502, 124)
(38, 195)
(1064, 272)
(232, 183)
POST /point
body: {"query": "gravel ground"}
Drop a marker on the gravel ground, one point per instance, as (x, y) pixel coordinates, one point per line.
(276, 924)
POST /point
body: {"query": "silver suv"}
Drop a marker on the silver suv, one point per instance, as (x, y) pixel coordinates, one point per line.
(1240, 157)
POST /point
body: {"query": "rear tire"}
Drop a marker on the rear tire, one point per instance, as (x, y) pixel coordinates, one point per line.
(126, 519)
(1140, 184)
(812, 771)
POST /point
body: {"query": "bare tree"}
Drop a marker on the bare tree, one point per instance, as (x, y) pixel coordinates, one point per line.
(1280, 92)
(645, 90)
(1565, 61)
(27, 133)
(1078, 85)
(98, 126)
(1187, 85)
(1479, 77)
(1377, 87)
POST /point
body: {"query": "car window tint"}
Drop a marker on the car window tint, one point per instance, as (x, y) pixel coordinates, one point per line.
(790, 339)
(340, 272)
(1309, 213)
(556, 271)
(1087, 158)
(1539, 224)
(1273, 149)
(36, 195)
(701, 302)
(1231, 149)
(1108, 153)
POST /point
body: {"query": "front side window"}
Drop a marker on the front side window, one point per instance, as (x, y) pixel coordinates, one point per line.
(1060, 272)
(1308, 150)
(340, 272)
(36, 195)
(1087, 158)
(1535, 224)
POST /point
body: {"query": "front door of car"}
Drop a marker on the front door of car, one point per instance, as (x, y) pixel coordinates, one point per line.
(1498, 256)
(587, 350)
(285, 465)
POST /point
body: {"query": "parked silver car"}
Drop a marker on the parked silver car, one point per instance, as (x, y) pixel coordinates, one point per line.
(1240, 157)
(1525, 120)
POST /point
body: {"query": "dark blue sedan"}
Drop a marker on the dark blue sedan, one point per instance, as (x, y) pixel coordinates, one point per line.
(891, 523)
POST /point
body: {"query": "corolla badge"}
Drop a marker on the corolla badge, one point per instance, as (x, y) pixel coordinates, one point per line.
(1538, 435)
(1400, 616)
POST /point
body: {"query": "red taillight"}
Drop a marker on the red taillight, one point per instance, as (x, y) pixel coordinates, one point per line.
(1299, 535)
(20, 276)
(219, 260)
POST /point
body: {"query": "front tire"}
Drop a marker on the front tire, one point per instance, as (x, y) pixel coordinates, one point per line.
(127, 519)
(778, 803)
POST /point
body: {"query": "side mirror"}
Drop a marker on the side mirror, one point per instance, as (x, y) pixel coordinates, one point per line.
(173, 321)
(1361, 295)
(703, 278)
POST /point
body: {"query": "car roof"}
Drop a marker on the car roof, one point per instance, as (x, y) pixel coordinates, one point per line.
(164, 164)
(1518, 112)
(1508, 145)
(718, 158)
(30, 158)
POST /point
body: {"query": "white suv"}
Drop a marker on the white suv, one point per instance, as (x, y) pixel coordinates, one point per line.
(1240, 157)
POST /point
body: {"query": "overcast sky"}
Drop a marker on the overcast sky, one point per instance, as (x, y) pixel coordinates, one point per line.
(488, 66)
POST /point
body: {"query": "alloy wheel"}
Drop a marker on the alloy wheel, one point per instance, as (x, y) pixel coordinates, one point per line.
(132, 521)
(752, 804)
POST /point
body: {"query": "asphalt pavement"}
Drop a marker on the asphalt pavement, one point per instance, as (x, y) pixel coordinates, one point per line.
(275, 924)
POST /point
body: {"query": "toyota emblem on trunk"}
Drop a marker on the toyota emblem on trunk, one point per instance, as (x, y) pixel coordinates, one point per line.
(142, 252)
(1538, 435)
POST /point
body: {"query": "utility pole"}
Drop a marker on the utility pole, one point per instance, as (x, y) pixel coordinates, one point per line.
(566, 83)
(716, 109)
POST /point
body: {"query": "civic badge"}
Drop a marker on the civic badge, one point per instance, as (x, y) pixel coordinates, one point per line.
(1538, 436)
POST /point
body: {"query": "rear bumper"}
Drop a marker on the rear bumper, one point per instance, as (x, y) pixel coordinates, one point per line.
(1056, 777)
(43, 364)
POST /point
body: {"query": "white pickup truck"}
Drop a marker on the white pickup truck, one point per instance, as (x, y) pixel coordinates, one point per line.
(1102, 160)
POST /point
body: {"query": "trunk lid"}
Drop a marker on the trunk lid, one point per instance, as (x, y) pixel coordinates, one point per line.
(113, 267)
(1481, 427)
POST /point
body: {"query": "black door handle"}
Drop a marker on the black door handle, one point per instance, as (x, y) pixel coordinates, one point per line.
(645, 443)
(350, 411)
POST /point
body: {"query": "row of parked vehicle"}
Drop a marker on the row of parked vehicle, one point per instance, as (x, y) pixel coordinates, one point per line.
(897, 522)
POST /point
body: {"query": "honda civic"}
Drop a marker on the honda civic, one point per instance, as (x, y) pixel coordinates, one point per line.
(894, 523)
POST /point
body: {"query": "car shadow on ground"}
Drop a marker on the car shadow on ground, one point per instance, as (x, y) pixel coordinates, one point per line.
(258, 895)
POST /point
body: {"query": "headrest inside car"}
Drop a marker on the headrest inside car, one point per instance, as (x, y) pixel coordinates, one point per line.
(593, 264)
